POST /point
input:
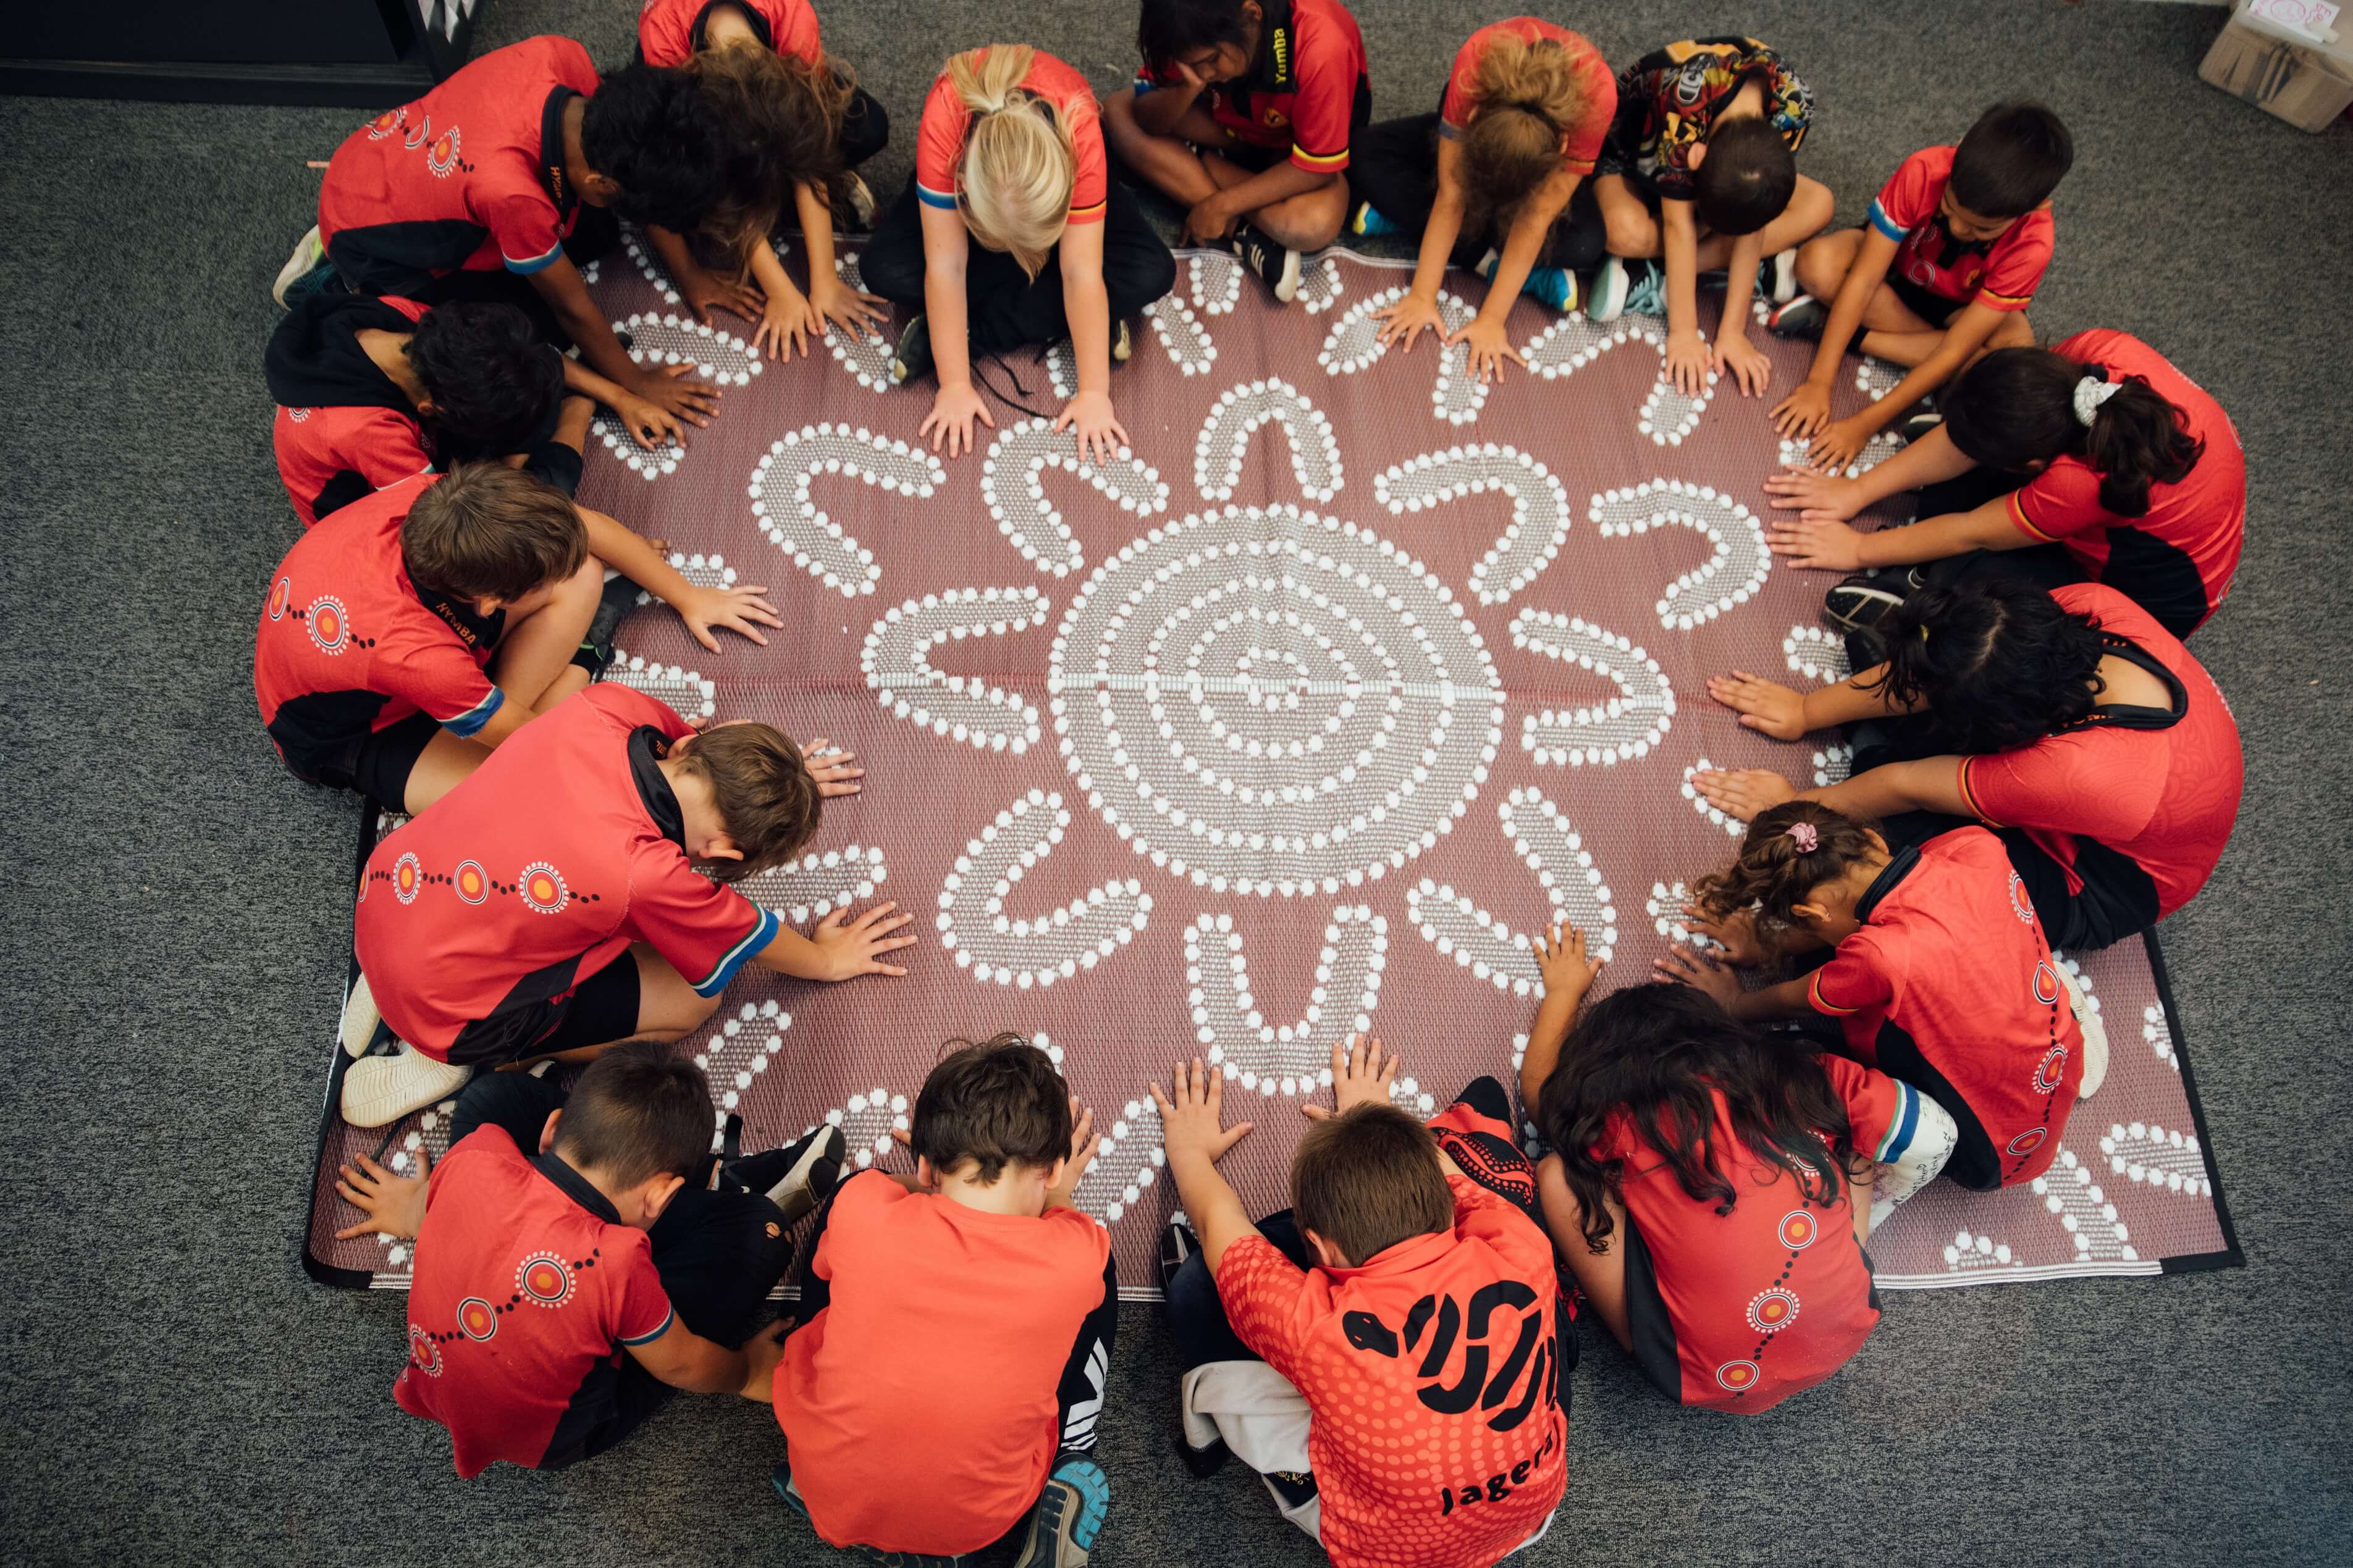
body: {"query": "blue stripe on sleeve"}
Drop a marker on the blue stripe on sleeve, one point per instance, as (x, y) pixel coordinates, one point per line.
(763, 932)
(535, 263)
(1900, 1130)
(931, 198)
(1886, 224)
(469, 724)
(668, 1318)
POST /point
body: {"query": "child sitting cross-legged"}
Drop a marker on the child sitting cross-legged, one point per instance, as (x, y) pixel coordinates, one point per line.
(581, 1258)
(1712, 1190)
(1391, 1353)
(942, 1391)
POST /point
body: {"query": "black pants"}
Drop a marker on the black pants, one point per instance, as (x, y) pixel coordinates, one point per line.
(1004, 307)
(719, 1255)
(865, 129)
(597, 232)
(2043, 567)
(1394, 166)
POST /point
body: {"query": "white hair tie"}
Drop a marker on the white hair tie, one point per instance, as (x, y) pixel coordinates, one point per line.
(2090, 393)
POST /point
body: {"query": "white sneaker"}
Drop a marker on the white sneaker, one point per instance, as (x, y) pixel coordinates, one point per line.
(361, 1018)
(1607, 302)
(1781, 276)
(2095, 1035)
(308, 253)
(379, 1090)
(861, 201)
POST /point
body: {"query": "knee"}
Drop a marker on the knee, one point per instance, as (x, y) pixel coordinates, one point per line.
(2011, 333)
(1628, 229)
(1821, 267)
(1811, 205)
(1119, 120)
(581, 591)
(1146, 274)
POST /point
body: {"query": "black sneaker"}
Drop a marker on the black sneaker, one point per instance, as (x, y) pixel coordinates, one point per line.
(1277, 267)
(1920, 425)
(797, 1178)
(1803, 318)
(1177, 1245)
(613, 606)
(911, 360)
(1069, 1515)
(1861, 602)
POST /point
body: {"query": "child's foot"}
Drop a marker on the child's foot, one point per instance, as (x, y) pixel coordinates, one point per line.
(861, 201)
(1275, 264)
(912, 358)
(1802, 316)
(360, 1019)
(1369, 223)
(2095, 1035)
(1646, 293)
(379, 1090)
(1177, 1245)
(1776, 277)
(1607, 301)
(1122, 341)
(1920, 425)
(613, 606)
(1861, 602)
(1554, 286)
(797, 1178)
(781, 1477)
(1070, 1515)
(294, 281)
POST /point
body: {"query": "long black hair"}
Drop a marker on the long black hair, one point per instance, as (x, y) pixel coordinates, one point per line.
(1659, 1055)
(2015, 409)
(1998, 665)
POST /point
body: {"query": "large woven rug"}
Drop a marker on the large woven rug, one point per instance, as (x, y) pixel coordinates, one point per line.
(1294, 721)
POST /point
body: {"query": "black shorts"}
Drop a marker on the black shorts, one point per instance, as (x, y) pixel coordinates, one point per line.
(378, 767)
(597, 1012)
(1933, 309)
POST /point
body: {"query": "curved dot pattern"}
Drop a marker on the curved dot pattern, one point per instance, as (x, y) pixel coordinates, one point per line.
(977, 922)
(966, 708)
(1476, 940)
(1668, 413)
(1731, 575)
(1540, 514)
(814, 885)
(1235, 416)
(1126, 1167)
(1293, 1057)
(1013, 477)
(1815, 654)
(1725, 820)
(2145, 1153)
(781, 496)
(867, 1121)
(684, 690)
(2077, 1201)
(1215, 282)
(701, 571)
(1616, 730)
(1353, 344)
(865, 355)
(1320, 286)
(1182, 335)
(1665, 908)
(737, 1050)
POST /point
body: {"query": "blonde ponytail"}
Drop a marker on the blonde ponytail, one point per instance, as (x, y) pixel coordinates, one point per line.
(1018, 165)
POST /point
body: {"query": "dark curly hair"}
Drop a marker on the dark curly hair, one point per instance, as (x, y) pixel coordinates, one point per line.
(493, 382)
(1998, 665)
(1658, 1055)
(652, 132)
(2015, 410)
(1746, 180)
(1168, 29)
(1772, 874)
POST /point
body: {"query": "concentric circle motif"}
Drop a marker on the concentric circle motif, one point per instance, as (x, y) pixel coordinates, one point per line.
(1798, 1228)
(2020, 904)
(1739, 1376)
(418, 133)
(470, 882)
(281, 597)
(2028, 1142)
(2053, 1070)
(542, 887)
(441, 157)
(546, 1277)
(407, 878)
(2046, 985)
(331, 629)
(385, 125)
(423, 1353)
(477, 1318)
(1252, 689)
(1773, 1308)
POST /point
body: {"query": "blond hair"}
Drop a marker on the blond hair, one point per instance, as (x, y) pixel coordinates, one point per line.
(1528, 92)
(1018, 165)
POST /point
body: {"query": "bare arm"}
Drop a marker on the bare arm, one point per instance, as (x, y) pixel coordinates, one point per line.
(946, 247)
(685, 1359)
(559, 283)
(1932, 784)
(839, 948)
(1987, 527)
(1568, 976)
(1862, 281)
(1161, 111)
(1964, 335)
(1191, 1113)
(1600, 1275)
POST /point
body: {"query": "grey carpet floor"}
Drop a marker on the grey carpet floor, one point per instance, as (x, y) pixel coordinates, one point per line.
(174, 912)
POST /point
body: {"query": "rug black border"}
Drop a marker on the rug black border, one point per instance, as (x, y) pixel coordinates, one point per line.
(323, 1272)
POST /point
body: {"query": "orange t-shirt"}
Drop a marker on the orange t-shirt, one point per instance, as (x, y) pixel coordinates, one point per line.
(919, 1406)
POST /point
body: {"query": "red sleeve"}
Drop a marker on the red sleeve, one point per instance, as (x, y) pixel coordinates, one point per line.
(521, 218)
(433, 672)
(641, 1308)
(666, 31)
(1875, 1105)
(1581, 142)
(1857, 976)
(1454, 108)
(2014, 270)
(860, 1196)
(2069, 783)
(1483, 1215)
(1262, 1292)
(2064, 499)
(707, 930)
(388, 449)
(632, 708)
(1909, 197)
(1325, 108)
(939, 145)
(1076, 1244)
(792, 30)
(1091, 189)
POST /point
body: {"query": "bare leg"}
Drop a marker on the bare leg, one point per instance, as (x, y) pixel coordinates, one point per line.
(535, 659)
(1631, 229)
(1810, 209)
(1309, 221)
(1824, 262)
(441, 767)
(1169, 163)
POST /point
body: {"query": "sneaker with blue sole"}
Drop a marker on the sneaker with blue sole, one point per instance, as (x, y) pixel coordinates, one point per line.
(1370, 223)
(1606, 300)
(1554, 286)
(1646, 293)
(1068, 1517)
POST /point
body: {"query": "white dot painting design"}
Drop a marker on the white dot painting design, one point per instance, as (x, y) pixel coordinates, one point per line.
(1618, 730)
(1061, 369)
(1832, 763)
(2159, 1034)
(977, 922)
(1293, 1057)
(1815, 654)
(1235, 416)
(701, 571)
(1353, 344)
(2147, 1153)
(1013, 479)
(865, 355)
(1182, 335)
(648, 463)
(1320, 286)
(1668, 413)
(687, 691)
(1215, 282)
(1882, 446)
(738, 1051)
(2069, 1192)
(1730, 576)
(781, 496)
(640, 252)
(1875, 378)
(1126, 1165)
(1540, 515)
(1545, 842)
(812, 885)
(966, 708)
(1267, 701)
(867, 1121)
(1665, 908)
(427, 1140)
(1725, 820)
(721, 357)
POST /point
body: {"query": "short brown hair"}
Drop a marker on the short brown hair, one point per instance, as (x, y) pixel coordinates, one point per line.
(1367, 1179)
(996, 1103)
(763, 789)
(484, 530)
(638, 1111)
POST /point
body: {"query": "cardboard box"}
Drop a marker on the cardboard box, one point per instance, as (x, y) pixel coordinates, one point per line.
(2281, 68)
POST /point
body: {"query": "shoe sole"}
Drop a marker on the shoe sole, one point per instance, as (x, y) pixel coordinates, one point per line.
(2095, 1035)
(1784, 277)
(373, 1096)
(794, 1193)
(1286, 288)
(1607, 302)
(1123, 343)
(308, 253)
(360, 1019)
(1810, 332)
(1871, 606)
(1078, 1499)
(902, 370)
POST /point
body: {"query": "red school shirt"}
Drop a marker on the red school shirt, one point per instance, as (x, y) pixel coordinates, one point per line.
(1738, 1312)
(2160, 789)
(538, 870)
(342, 427)
(471, 176)
(2000, 273)
(1951, 969)
(1581, 143)
(669, 32)
(1308, 90)
(939, 1356)
(1431, 1374)
(527, 1290)
(939, 144)
(2176, 559)
(348, 645)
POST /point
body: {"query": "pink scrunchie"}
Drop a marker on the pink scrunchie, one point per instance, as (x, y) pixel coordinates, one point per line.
(1808, 837)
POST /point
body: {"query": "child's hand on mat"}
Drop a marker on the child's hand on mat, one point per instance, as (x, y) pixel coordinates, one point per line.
(664, 403)
(1840, 444)
(1744, 362)
(1190, 1113)
(859, 314)
(1701, 973)
(394, 1206)
(1406, 320)
(830, 767)
(1815, 496)
(703, 294)
(1823, 545)
(853, 948)
(1764, 706)
(1687, 361)
(1099, 431)
(1566, 972)
(1744, 791)
(761, 1351)
(739, 609)
(1085, 1143)
(790, 324)
(1803, 412)
(1489, 349)
(953, 409)
(1210, 218)
(1734, 932)
(1361, 1075)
